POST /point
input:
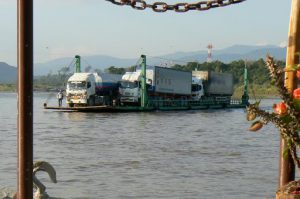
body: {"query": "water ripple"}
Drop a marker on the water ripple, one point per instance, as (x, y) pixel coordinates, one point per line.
(160, 155)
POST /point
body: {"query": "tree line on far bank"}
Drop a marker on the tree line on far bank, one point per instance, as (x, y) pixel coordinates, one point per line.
(257, 73)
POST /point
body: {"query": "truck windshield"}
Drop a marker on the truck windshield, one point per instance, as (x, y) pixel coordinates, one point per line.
(196, 87)
(77, 85)
(127, 84)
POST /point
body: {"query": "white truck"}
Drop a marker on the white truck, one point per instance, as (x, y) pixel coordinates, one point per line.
(161, 83)
(166, 83)
(216, 86)
(197, 88)
(89, 89)
(130, 86)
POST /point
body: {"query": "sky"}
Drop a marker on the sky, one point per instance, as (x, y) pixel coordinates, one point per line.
(64, 28)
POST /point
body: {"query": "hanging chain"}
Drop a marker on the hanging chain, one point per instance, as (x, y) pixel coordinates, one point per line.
(179, 7)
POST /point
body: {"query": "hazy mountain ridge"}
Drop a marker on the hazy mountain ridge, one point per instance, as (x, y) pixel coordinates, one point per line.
(8, 73)
(96, 61)
(226, 55)
(233, 53)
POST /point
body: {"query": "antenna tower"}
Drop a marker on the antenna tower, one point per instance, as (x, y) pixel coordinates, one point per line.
(209, 53)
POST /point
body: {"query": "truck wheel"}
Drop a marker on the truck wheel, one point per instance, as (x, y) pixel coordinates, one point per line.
(91, 101)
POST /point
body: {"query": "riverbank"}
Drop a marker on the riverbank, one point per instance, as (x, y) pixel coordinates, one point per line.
(8, 88)
(255, 91)
(36, 88)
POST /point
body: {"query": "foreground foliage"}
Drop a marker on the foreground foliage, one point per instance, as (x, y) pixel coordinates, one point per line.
(285, 115)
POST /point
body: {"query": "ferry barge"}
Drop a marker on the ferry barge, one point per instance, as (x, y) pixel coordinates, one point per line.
(153, 89)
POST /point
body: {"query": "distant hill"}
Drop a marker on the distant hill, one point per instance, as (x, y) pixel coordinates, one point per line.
(236, 52)
(8, 73)
(97, 62)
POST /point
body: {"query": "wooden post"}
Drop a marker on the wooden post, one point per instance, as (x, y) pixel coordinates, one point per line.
(286, 165)
(25, 99)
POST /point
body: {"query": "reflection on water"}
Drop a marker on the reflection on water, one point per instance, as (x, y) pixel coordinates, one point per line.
(189, 154)
(75, 116)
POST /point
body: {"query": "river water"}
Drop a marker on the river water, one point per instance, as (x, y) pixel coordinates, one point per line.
(158, 155)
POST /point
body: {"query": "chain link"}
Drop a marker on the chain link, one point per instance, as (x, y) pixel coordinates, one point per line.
(179, 7)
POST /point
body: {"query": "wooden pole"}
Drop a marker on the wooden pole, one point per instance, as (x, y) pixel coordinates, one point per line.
(25, 99)
(286, 165)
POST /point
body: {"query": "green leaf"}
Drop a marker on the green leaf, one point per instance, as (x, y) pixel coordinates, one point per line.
(289, 141)
(286, 118)
(292, 67)
(256, 104)
(273, 81)
(286, 153)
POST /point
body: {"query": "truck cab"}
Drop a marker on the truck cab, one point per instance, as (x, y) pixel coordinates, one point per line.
(129, 91)
(80, 90)
(130, 86)
(197, 88)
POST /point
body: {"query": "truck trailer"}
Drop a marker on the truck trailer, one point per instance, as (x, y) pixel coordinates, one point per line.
(161, 83)
(171, 81)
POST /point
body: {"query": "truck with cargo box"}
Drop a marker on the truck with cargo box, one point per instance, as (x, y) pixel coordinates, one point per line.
(160, 81)
(214, 83)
